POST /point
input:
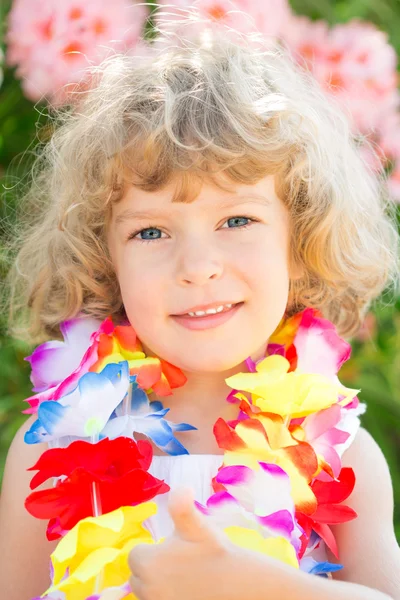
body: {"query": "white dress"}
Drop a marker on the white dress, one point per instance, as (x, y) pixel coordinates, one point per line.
(190, 470)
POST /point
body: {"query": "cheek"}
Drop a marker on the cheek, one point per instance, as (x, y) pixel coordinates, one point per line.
(141, 289)
(267, 274)
(266, 261)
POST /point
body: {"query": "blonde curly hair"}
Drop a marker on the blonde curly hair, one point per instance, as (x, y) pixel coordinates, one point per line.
(196, 109)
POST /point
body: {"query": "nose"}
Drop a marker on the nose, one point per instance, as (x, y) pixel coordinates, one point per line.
(198, 264)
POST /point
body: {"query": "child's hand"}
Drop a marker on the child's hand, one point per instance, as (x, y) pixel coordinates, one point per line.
(196, 562)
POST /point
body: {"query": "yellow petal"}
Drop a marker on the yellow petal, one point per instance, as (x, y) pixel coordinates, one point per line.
(132, 354)
(269, 371)
(110, 530)
(257, 450)
(115, 357)
(278, 434)
(275, 547)
(275, 365)
(100, 569)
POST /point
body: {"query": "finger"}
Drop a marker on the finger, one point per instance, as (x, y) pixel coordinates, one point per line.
(139, 560)
(189, 523)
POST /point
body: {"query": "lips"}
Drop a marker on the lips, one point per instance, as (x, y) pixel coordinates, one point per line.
(205, 307)
(207, 321)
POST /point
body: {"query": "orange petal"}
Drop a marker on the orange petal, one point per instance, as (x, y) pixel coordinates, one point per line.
(147, 370)
(127, 338)
(174, 375)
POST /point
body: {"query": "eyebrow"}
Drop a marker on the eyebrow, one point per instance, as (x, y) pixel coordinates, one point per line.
(130, 213)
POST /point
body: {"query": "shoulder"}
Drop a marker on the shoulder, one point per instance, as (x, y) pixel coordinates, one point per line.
(371, 469)
(367, 545)
(373, 491)
(20, 457)
(24, 548)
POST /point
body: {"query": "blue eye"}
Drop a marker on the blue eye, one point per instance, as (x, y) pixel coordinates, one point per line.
(149, 234)
(238, 219)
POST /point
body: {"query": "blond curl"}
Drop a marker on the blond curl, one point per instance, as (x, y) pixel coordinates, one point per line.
(195, 109)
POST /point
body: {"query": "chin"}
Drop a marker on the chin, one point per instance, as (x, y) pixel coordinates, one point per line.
(210, 363)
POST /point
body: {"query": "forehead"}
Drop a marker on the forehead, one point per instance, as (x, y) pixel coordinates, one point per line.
(137, 202)
(187, 189)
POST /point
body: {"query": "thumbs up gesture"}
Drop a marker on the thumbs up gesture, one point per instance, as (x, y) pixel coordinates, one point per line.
(197, 562)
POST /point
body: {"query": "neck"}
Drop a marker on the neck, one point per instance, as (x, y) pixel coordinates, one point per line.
(200, 402)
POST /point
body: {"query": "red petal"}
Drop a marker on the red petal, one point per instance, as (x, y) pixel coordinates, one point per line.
(291, 356)
(334, 513)
(107, 458)
(121, 455)
(226, 437)
(325, 533)
(54, 530)
(146, 451)
(306, 523)
(70, 500)
(134, 488)
(334, 492)
(58, 461)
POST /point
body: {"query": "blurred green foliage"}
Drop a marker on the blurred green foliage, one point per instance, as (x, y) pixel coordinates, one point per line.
(375, 363)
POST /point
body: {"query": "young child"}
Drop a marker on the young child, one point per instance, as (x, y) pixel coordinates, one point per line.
(207, 174)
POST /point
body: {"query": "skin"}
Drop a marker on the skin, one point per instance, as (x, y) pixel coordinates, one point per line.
(203, 255)
(197, 561)
(202, 258)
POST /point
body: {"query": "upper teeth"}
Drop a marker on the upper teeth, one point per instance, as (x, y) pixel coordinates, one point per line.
(210, 311)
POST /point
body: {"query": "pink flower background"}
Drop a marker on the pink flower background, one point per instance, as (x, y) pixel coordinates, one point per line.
(51, 43)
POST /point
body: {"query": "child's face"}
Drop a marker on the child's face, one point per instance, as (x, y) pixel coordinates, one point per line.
(199, 253)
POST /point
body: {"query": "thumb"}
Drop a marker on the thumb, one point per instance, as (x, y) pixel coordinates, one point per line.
(190, 524)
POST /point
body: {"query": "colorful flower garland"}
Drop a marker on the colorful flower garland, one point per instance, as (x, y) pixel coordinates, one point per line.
(281, 484)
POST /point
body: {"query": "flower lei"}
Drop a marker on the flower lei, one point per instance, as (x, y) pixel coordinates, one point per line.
(281, 484)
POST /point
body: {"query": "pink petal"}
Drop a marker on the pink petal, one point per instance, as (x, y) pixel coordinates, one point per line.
(335, 436)
(219, 499)
(53, 361)
(281, 522)
(318, 423)
(234, 475)
(319, 347)
(332, 458)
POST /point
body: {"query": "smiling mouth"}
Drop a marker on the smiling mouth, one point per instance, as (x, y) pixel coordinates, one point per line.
(209, 312)
(207, 321)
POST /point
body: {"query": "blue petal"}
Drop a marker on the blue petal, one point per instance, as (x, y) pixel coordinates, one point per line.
(36, 434)
(114, 371)
(159, 414)
(159, 438)
(157, 430)
(182, 427)
(174, 448)
(50, 414)
(139, 402)
(114, 413)
(155, 406)
(325, 567)
(132, 380)
(165, 439)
